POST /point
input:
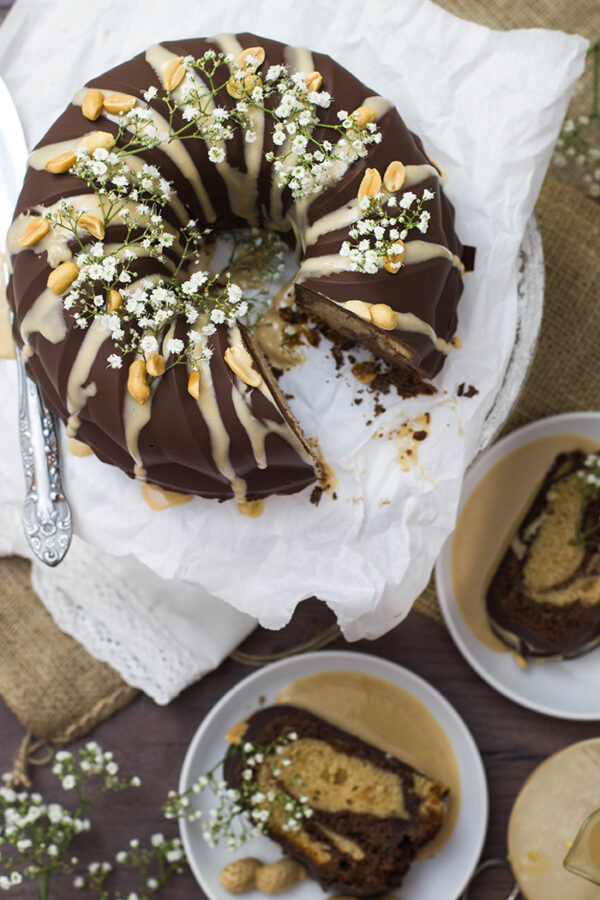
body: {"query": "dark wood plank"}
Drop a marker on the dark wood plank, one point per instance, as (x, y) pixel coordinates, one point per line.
(151, 741)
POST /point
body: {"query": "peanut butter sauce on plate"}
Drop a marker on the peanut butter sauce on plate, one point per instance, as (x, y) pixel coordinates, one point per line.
(390, 718)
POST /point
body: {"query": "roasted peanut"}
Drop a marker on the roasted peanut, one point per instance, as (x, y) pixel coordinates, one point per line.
(193, 385)
(173, 73)
(363, 116)
(279, 876)
(240, 362)
(155, 365)
(61, 163)
(394, 176)
(137, 382)
(384, 316)
(370, 184)
(62, 277)
(92, 224)
(238, 89)
(359, 308)
(119, 103)
(255, 53)
(114, 301)
(97, 140)
(365, 372)
(92, 104)
(240, 875)
(313, 81)
(393, 258)
(34, 231)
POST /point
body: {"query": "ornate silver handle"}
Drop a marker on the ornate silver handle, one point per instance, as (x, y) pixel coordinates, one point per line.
(499, 863)
(46, 513)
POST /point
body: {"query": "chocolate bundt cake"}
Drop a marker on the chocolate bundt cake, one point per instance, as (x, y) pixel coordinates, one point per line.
(370, 812)
(218, 425)
(544, 597)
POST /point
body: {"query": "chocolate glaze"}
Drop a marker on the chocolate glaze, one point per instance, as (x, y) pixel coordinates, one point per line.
(175, 445)
(536, 628)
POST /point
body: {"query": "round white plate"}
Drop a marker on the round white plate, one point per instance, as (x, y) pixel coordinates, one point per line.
(566, 689)
(442, 877)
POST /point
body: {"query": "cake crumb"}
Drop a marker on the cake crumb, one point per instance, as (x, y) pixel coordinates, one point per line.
(407, 437)
(316, 494)
(466, 391)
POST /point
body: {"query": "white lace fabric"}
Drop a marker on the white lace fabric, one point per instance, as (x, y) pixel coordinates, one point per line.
(159, 635)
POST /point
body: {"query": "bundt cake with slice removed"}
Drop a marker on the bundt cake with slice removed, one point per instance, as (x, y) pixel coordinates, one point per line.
(544, 598)
(211, 131)
(370, 812)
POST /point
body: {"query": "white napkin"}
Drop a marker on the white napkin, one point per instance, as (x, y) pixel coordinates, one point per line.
(489, 106)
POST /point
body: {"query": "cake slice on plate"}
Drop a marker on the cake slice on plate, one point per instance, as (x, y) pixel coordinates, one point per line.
(370, 813)
(544, 597)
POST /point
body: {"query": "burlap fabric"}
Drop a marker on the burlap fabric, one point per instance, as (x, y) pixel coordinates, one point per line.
(56, 689)
(59, 692)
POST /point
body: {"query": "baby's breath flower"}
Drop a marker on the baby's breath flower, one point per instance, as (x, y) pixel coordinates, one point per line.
(376, 241)
(246, 811)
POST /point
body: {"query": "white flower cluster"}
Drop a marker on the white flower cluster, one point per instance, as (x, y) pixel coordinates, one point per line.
(114, 179)
(591, 473)
(75, 771)
(196, 105)
(377, 239)
(166, 856)
(307, 164)
(589, 484)
(40, 833)
(148, 306)
(578, 144)
(245, 812)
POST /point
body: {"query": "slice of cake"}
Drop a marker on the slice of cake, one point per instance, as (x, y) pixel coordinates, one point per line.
(369, 813)
(544, 597)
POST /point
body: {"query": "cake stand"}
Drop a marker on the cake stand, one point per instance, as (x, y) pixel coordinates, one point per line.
(530, 304)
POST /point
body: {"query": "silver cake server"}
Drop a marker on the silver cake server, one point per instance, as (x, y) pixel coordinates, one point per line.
(46, 513)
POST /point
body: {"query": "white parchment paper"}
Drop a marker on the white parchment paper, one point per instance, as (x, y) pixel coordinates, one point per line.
(488, 106)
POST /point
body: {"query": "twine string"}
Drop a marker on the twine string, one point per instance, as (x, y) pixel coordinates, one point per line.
(26, 757)
(257, 660)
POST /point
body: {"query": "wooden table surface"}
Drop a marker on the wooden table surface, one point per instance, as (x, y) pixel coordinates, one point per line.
(151, 741)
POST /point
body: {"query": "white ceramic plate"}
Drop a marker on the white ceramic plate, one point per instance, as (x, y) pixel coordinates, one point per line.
(442, 877)
(568, 689)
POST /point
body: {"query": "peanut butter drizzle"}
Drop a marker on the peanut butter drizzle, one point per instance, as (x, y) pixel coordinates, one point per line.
(545, 819)
(219, 437)
(242, 187)
(391, 719)
(251, 508)
(270, 333)
(159, 498)
(489, 520)
(79, 448)
(44, 317)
